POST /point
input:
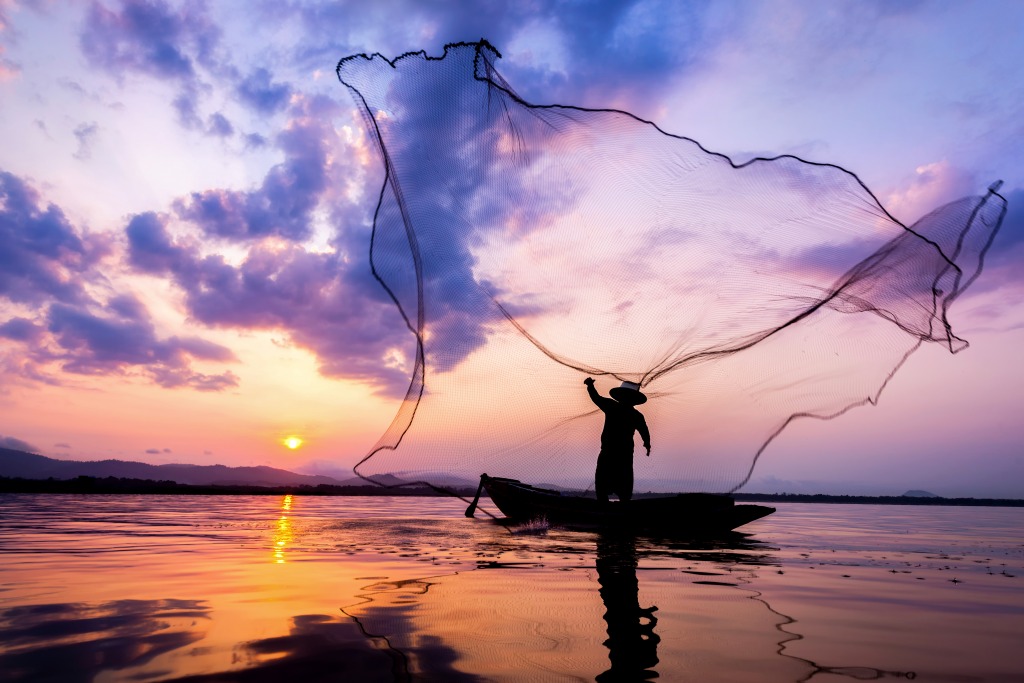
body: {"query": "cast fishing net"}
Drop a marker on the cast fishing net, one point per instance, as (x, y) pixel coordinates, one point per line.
(528, 247)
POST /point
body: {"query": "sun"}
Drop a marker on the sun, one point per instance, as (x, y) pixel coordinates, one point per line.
(292, 442)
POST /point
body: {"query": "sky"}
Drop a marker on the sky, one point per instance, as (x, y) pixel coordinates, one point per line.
(186, 194)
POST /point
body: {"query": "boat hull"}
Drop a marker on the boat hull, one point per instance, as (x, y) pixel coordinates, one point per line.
(686, 513)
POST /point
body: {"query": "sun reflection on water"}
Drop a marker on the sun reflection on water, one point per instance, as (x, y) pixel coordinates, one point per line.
(283, 533)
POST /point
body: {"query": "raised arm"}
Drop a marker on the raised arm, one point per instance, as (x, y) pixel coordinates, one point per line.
(598, 399)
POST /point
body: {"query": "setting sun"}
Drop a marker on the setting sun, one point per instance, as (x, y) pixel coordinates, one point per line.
(292, 442)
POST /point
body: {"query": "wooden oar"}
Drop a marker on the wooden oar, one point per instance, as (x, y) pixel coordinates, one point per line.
(471, 510)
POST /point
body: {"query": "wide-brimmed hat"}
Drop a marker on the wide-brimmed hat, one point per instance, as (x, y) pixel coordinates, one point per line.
(628, 393)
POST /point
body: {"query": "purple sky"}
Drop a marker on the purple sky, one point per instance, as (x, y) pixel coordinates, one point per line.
(186, 192)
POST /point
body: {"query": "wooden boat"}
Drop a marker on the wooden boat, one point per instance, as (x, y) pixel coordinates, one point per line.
(685, 513)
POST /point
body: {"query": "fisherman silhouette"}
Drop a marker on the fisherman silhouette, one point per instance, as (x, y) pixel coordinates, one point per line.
(621, 419)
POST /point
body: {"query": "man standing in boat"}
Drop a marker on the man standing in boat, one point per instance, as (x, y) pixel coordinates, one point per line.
(621, 420)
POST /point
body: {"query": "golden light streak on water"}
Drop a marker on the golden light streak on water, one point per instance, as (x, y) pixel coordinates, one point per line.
(283, 534)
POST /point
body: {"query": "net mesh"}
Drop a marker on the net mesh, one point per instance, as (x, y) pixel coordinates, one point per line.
(528, 247)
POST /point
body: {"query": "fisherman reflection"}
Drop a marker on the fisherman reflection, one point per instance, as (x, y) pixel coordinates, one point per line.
(621, 420)
(632, 643)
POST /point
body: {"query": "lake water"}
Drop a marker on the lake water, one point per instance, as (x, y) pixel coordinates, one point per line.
(289, 588)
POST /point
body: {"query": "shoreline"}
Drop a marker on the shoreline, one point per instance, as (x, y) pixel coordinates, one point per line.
(119, 485)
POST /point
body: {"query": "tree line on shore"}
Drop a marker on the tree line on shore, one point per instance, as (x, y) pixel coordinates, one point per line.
(124, 485)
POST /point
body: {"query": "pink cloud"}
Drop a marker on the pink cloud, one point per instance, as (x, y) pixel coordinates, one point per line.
(933, 185)
(49, 270)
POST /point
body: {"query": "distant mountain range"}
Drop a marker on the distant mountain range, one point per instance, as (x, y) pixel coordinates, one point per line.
(25, 465)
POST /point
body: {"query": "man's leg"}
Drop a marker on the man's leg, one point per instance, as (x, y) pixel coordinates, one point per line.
(615, 475)
(602, 485)
(624, 477)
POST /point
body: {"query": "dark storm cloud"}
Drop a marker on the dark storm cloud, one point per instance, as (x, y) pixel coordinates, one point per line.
(42, 256)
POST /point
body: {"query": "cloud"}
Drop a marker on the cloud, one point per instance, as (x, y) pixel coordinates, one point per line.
(219, 126)
(21, 329)
(17, 444)
(47, 265)
(255, 141)
(327, 302)
(8, 70)
(150, 38)
(932, 185)
(290, 191)
(85, 134)
(259, 92)
(937, 184)
(322, 303)
(150, 248)
(1003, 275)
(42, 256)
(187, 104)
(179, 45)
(620, 54)
(1011, 234)
(93, 344)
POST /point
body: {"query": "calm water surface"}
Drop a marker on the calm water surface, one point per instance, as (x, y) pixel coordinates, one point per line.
(211, 588)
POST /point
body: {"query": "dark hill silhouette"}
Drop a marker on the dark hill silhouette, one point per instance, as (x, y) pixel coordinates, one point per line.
(14, 463)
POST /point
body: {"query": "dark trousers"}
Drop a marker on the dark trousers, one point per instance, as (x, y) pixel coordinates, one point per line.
(614, 474)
